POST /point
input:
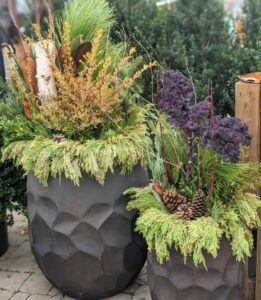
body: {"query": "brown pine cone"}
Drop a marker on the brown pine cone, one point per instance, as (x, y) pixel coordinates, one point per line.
(59, 138)
(173, 200)
(199, 205)
(185, 211)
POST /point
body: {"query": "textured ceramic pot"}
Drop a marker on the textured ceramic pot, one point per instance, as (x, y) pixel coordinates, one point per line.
(82, 237)
(3, 238)
(176, 281)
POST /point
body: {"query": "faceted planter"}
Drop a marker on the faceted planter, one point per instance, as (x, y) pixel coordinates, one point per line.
(3, 238)
(176, 281)
(82, 237)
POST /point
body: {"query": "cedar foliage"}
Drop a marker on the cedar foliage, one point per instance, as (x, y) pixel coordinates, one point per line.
(125, 147)
(163, 230)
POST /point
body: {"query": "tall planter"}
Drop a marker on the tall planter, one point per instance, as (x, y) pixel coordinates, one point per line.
(175, 280)
(3, 238)
(82, 237)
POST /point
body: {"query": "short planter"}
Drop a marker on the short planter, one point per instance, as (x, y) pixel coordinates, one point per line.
(175, 280)
(82, 237)
(3, 238)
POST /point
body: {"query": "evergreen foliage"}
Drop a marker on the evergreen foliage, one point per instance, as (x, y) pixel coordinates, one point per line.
(163, 230)
(196, 35)
(252, 51)
(125, 147)
(12, 192)
(87, 17)
(12, 181)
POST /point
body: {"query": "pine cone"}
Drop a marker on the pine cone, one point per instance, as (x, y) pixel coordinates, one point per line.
(185, 211)
(199, 205)
(173, 200)
(58, 137)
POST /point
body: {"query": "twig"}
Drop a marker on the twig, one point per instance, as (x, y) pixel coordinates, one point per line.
(166, 165)
(48, 5)
(189, 73)
(212, 175)
(151, 59)
(13, 15)
(37, 12)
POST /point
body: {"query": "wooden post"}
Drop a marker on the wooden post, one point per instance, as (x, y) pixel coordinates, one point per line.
(248, 108)
(248, 104)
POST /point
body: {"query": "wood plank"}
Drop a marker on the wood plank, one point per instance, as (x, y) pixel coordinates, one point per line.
(246, 290)
(251, 289)
(258, 263)
(248, 108)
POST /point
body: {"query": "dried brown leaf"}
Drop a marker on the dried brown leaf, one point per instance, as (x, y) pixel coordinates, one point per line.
(20, 51)
(157, 188)
(28, 67)
(62, 54)
(27, 109)
(81, 51)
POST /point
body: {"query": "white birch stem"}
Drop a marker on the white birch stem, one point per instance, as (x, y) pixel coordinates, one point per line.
(45, 56)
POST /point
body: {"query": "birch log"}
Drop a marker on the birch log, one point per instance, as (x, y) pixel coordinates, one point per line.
(45, 56)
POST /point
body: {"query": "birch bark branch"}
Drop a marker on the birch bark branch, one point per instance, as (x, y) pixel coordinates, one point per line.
(45, 57)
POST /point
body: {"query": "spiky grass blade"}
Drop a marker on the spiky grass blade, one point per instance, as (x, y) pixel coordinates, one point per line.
(87, 16)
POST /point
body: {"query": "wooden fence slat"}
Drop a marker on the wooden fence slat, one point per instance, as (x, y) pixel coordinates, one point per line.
(258, 263)
(248, 108)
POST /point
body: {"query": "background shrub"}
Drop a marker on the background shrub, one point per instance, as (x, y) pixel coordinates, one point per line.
(196, 37)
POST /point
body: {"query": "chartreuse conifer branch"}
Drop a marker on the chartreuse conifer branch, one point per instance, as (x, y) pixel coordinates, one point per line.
(164, 231)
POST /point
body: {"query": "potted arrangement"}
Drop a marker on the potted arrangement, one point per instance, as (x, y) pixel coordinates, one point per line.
(197, 214)
(74, 127)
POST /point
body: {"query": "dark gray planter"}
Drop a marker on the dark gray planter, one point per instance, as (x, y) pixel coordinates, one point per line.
(176, 281)
(82, 237)
(3, 238)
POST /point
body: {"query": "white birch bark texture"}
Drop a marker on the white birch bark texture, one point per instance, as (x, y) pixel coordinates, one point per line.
(8, 60)
(45, 56)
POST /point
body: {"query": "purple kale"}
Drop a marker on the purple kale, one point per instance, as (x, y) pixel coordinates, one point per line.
(228, 134)
(226, 137)
(175, 93)
(197, 117)
(175, 96)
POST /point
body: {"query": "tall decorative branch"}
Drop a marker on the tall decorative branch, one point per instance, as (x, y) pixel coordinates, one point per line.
(166, 164)
(45, 56)
(212, 175)
(48, 5)
(21, 48)
(37, 12)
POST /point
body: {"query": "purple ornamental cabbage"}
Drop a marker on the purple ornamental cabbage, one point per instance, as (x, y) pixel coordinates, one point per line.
(175, 93)
(175, 100)
(175, 97)
(226, 137)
